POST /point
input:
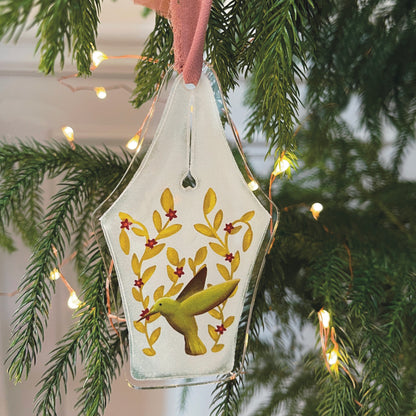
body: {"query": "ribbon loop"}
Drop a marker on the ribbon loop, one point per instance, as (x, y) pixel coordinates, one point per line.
(189, 21)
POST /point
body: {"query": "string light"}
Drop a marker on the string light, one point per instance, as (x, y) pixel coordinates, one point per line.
(332, 357)
(68, 133)
(97, 58)
(55, 274)
(133, 142)
(253, 186)
(136, 141)
(324, 317)
(100, 92)
(73, 301)
(281, 166)
(316, 209)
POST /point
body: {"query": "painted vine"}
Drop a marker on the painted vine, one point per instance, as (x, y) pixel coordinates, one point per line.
(221, 247)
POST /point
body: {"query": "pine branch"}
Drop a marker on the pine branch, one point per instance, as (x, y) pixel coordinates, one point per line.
(222, 44)
(375, 67)
(64, 358)
(24, 166)
(226, 400)
(339, 396)
(32, 316)
(273, 96)
(92, 317)
(380, 382)
(60, 221)
(158, 48)
(61, 25)
(101, 365)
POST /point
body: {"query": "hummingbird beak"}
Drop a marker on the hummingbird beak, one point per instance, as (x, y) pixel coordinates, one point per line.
(147, 315)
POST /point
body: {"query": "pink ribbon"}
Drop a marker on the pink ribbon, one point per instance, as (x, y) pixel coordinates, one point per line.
(189, 21)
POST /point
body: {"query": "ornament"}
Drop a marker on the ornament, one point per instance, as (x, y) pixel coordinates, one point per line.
(187, 237)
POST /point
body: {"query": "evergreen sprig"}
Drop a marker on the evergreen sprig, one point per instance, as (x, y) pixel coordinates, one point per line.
(85, 169)
(101, 364)
(61, 26)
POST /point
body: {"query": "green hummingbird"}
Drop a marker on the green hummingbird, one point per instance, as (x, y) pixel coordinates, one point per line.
(193, 300)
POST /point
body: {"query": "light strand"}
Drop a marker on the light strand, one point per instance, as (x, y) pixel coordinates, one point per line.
(101, 92)
(333, 355)
(135, 143)
(98, 57)
(73, 301)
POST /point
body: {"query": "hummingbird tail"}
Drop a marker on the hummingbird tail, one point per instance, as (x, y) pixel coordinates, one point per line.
(194, 346)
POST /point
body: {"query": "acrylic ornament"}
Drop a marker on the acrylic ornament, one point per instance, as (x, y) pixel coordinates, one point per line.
(188, 238)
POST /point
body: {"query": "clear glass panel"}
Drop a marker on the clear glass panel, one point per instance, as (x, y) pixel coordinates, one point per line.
(209, 175)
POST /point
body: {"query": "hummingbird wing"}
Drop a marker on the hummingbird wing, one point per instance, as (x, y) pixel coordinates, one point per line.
(208, 299)
(196, 284)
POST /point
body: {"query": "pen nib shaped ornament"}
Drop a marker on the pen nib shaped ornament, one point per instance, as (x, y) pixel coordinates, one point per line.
(187, 235)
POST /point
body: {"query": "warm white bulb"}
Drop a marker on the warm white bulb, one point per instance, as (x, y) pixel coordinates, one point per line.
(55, 275)
(68, 133)
(332, 358)
(133, 142)
(98, 57)
(253, 186)
(316, 209)
(100, 92)
(73, 301)
(325, 318)
(281, 166)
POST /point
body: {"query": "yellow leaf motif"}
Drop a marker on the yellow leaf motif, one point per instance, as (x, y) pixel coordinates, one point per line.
(214, 335)
(152, 252)
(247, 216)
(166, 200)
(124, 241)
(174, 290)
(147, 274)
(223, 271)
(247, 239)
(171, 274)
(146, 302)
(235, 230)
(217, 347)
(173, 256)
(236, 262)
(203, 229)
(216, 248)
(218, 219)
(209, 201)
(157, 221)
(215, 314)
(139, 232)
(139, 326)
(158, 293)
(136, 294)
(229, 321)
(192, 265)
(167, 232)
(201, 255)
(123, 216)
(149, 351)
(135, 265)
(155, 335)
